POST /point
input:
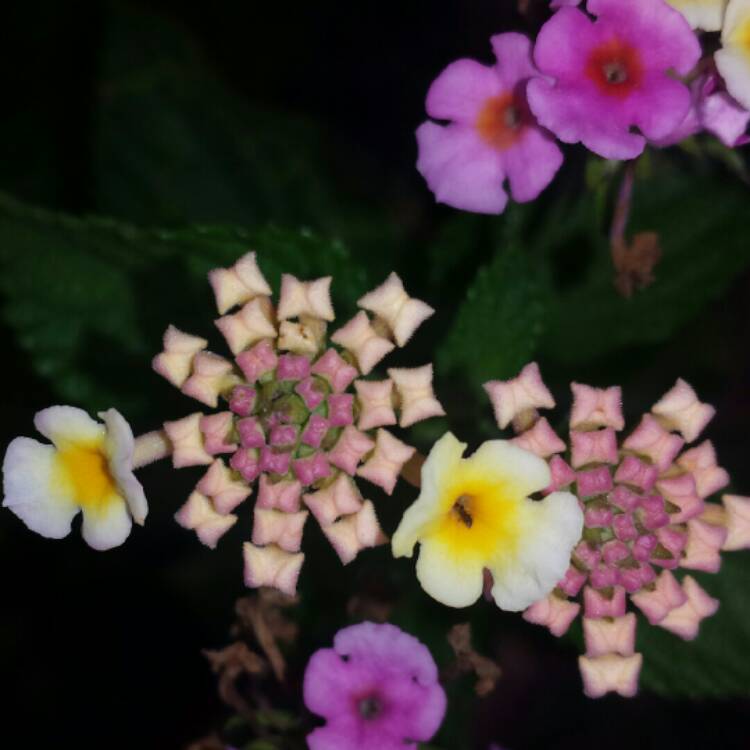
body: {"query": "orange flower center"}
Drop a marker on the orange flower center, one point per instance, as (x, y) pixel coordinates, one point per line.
(615, 67)
(501, 121)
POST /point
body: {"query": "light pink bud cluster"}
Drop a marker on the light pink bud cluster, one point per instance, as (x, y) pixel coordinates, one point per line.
(298, 418)
(646, 514)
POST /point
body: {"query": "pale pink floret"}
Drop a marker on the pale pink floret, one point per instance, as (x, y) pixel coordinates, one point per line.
(672, 539)
(340, 498)
(176, 361)
(217, 432)
(652, 440)
(611, 673)
(704, 543)
(252, 323)
(238, 284)
(666, 596)
(258, 360)
(315, 430)
(416, 396)
(596, 407)
(199, 515)
(541, 440)
(276, 527)
(681, 491)
(212, 375)
(272, 566)
(284, 495)
(403, 314)
(701, 463)
(685, 620)
(349, 449)
(594, 447)
(375, 399)
(309, 470)
(554, 613)
(360, 338)
(737, 521)
(355, 532)
(305, 336)
(340, 409)
(596, 604)
(384, 466)
(224, 491)
(562, 474)
(679, 409)
(636, 473)
(524, 393)
(311, 298)
(335, 370)
(616, 636)
(187, 442)
(594, 481)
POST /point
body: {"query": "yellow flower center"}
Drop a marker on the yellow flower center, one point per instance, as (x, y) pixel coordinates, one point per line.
(741, 36)
(86, 468)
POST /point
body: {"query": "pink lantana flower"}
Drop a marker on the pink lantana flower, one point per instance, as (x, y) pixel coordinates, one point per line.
(377, 688)
(491, 134)
(610, 75)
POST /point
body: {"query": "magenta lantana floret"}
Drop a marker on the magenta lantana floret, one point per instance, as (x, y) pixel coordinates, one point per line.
(296, 415)
(646, 516)
(605, 77)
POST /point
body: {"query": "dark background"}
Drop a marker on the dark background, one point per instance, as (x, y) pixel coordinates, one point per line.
(104, 649)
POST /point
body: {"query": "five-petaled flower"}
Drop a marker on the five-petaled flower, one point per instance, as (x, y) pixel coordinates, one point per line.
(88, 468)
(377, 689)
(475, 513)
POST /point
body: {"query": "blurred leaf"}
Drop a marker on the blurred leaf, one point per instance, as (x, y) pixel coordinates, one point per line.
(715, 664)
(89, 299)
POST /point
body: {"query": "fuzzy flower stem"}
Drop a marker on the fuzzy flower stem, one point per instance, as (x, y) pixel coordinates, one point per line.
(150, 447)
(622, 208)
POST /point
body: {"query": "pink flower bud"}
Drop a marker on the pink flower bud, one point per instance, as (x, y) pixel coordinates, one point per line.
(211, 376)
(624, 499)
(644, 547)
(701, 463)
(685, 620)
(305, 336)
(554, 613)
(340, 409)
(596, 407)
(526, 392)
(665, 596)
(359, 337)
(257, 361)
(335, 370)
(738, 522)
(341, 498)
(315, 430)
(624, 528)
(275, 527)
(349, 449)
(652, 514)
(251, 433)
(541, 440)
(594, 447)
(292, 367)
(274, 462)
(217, 430)
(652, 440)
(672, 539)
(614, 552)
(187, 442)
(311, 393)
(238, 284)
(562, 475)
(416, 397)
(247, 463)
(597, 604)
(355, 532)
(594, 482)
(597, 518)
(309, 470)
(272, 566)
(176, 361)
(573, 581)
(679, 409)
(283, 495)
(681, 492)
(242, 400)
(375, 404)
(199, 515)
(310, 298)
(603, 577)
(703, 544)
(634, 579)
(615, 636)
(284, 435)
(587, 554)
(385, 465)
(252, 323)
(610, 674)
(218, 485)
(403, 314)
(636, 473)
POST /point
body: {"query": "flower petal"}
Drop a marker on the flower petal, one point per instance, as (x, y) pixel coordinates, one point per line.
(453, 579)
(108, 525)
(460, 91)
(68, 424)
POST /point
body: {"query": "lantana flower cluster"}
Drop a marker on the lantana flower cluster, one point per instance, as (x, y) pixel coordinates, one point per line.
(647, 515)
(617, 76)
(299, 419)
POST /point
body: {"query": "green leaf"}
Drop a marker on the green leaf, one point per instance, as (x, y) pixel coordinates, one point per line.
(90, 298)
(715, 664)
